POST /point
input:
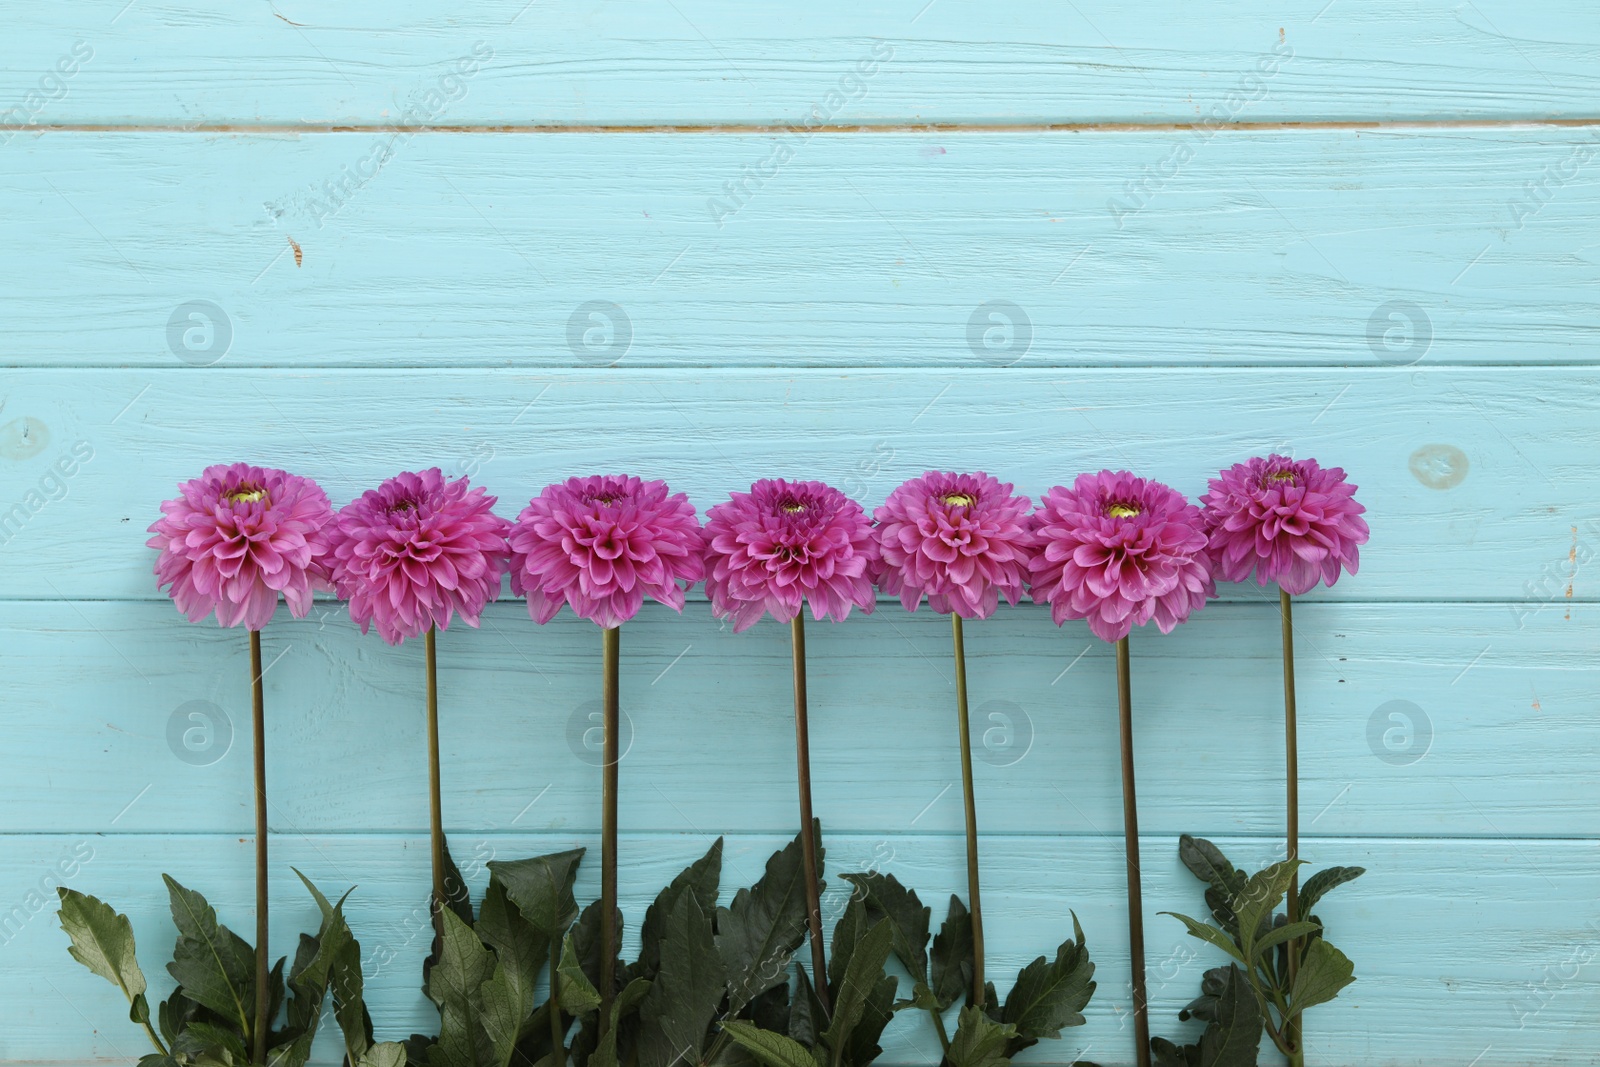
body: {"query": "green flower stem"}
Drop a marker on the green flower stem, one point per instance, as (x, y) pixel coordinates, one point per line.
(944, 1035)
(258, 718)
(1130, 823)
(610, 659)
(808, 836)
(558, 1044)
(155, 1038)
(971, 810)
(1291, 1030)
(435, 805)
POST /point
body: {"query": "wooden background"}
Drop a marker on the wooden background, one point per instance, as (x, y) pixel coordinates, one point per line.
(607, 237)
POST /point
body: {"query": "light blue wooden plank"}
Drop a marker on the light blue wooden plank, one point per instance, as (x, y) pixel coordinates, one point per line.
(1462, 949)
(1304, 248)
(1416, 719)
(1478, 481)
(715, 61)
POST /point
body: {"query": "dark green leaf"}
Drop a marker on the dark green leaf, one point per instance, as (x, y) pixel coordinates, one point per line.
(456, 897)
(1324, 971)
(1283, 933)
(687, 990)
(876, 1013)
(1204, 1007)
(1209, 934)
(807, 1020)
(857, 998)
(456, 893)
(102, 940)
(506, 1002)
(1319, 884)
(349, 1003)
(586, 941)
(384, 1054)
(418, 1049)
(770, 1010)
(293, 1053)
(316, 963)
(1050, 996)
(212, 1042)
(763, 926)
(176, 1013)
(155, 1060)
(773, 1050)
(1234, 1039)
(541, 888)
(1255, 903)
(455, 985)
(952, 955)
(908, 920)
(578, 995)
(921, 998)
(520, 949)
(139, 1010)
(214, 967)
(980, 1041)
(344, 973)
(1169, 1055)
(847, 933)
(632, 995)
(1207, 863)
(702, 878)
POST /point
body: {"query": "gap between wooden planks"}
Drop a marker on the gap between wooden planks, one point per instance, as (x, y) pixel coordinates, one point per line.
(739, 128)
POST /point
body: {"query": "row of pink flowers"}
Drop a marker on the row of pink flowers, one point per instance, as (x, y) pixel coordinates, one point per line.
(1114, 549)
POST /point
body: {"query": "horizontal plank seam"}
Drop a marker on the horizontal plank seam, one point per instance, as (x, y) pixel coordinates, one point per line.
(771, 372)
(845, 128)
(1326, 363)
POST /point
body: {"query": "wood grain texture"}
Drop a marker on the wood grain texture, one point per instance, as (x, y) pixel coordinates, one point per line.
(861, 241)
(1463, 950)
(949, 250)
(1478, 481)
(1442, 720)
(716, 61)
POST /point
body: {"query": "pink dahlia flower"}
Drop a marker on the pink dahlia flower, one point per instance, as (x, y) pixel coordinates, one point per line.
(600, 544)
(1120, 551)
(783, 544)
(416, 550)
(963, 539)
(237, 537)
(1290, 521)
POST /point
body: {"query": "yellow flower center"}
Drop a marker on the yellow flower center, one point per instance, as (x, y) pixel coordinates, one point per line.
(1122, 511)
(958, 500)
(247, 494)
(1281, 476)
(792, 507)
